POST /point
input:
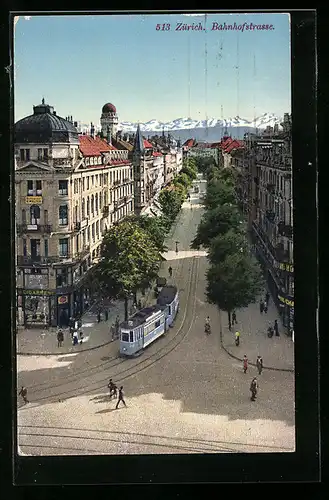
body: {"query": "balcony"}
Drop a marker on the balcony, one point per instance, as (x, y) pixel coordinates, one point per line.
(41, 260)
(270, 187)
(105, 211)
(285, 230)
(35, 228)
(270, 215)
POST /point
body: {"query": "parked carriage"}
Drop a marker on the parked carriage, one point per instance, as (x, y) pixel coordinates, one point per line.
(150, 323)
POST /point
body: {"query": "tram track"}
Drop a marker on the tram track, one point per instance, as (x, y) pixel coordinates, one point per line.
(131, 371)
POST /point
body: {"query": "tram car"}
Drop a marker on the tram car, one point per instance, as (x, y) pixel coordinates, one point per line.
(148, 324)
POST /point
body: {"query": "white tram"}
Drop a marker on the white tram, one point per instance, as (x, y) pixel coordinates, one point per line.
(149, 323)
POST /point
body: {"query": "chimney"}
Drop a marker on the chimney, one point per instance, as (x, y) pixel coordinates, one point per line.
(92, 130)
(76, 124)
(54, 113)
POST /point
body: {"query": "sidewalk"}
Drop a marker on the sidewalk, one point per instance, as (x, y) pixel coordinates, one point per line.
(44, 342)
(277, 352)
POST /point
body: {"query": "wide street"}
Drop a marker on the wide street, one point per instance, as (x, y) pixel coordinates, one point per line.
(185, 394)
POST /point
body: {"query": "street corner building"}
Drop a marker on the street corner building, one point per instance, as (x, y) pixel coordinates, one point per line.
(264, 173)
(70, 187)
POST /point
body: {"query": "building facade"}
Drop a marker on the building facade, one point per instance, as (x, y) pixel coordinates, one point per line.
(69, 189)
(265, 195)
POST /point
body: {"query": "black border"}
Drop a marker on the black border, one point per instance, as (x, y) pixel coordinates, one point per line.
(300, 466)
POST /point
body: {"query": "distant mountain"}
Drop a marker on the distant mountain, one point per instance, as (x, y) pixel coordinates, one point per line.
(205, 130)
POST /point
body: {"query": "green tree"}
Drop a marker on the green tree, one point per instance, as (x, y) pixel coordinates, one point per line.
(215, 222)
(156, 227)
(218, 193)
(170, 200)
(226, 244)
(129, 261)
(182, 179)
(190, 172)
(234, 283)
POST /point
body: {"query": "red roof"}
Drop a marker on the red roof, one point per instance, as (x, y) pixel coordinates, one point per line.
(147, 144)
(226, 142)
(189, 143)
(233, 145)
(93, 147)
(156, 153)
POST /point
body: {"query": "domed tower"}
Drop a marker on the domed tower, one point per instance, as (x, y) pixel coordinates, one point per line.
(109, 118)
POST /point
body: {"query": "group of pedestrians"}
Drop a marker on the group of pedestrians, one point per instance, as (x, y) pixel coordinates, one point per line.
(114, 393)
(259, 364)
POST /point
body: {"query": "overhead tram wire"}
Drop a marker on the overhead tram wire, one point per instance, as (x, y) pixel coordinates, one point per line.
(206, 73)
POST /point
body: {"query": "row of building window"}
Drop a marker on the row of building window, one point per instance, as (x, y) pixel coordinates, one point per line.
(35, 187)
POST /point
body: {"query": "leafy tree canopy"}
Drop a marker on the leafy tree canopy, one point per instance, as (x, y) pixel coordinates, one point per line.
(227, 244)
(218, 193)
(182, 179)
(156, 227)
(190, 172)
(171, 201)
(215, 222)
(129, 259)
(234, 283)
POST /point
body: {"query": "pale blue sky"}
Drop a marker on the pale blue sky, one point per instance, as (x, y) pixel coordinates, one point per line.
(78, 63)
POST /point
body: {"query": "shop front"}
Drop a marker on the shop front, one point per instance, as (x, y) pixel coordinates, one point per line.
(287, 307)
(35, 307)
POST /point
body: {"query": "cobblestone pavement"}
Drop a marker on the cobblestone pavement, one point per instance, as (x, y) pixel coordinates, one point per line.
(195, 399)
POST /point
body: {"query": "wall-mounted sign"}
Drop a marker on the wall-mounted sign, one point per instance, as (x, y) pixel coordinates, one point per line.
(33, 200)
(285, 299)
(62, 299)
(32, 227)
(284, 266)
(38, 292)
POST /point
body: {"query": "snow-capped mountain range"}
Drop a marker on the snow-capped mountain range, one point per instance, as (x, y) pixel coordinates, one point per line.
(188, 123)
(202, 130)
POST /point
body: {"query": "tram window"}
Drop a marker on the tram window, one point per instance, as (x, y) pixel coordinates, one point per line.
(131, 336)
(169, 309)
(125, 337)
(157, 324)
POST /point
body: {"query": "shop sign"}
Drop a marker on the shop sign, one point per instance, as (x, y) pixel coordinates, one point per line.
(33, 200)
(289, 301)
(38, 292)
(284, 266)
(62, 299)
(32, 227)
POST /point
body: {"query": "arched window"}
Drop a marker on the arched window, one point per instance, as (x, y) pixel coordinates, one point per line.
(34, 214)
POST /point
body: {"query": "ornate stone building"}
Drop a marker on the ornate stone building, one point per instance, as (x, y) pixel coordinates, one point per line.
(69, 189)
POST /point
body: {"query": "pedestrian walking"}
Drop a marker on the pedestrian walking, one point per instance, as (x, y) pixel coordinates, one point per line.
(265, 307)
(253, 389)
(270, 332)
(261, 306)
(267, 298)
(176, 246)
(106, 315)
(60, 338)
(117, 325)
(234, 321)
(75, 337)
(81, 336)
(112, 329)
(259, 364)
(121, 397)
(113, 388)
(23, 393)
(237, 338)
(170, 271)
(276, 328)
(98, 316)
(245, 364)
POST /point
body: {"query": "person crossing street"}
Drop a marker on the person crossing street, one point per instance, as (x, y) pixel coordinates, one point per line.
(259, 364)
(245, 364)
(121, 398)
(23, 393)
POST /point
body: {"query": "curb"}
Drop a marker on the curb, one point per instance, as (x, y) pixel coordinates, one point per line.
(62, 353)
(289, 370)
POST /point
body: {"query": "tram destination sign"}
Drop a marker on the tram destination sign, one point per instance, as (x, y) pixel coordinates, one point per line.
(36, 292)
